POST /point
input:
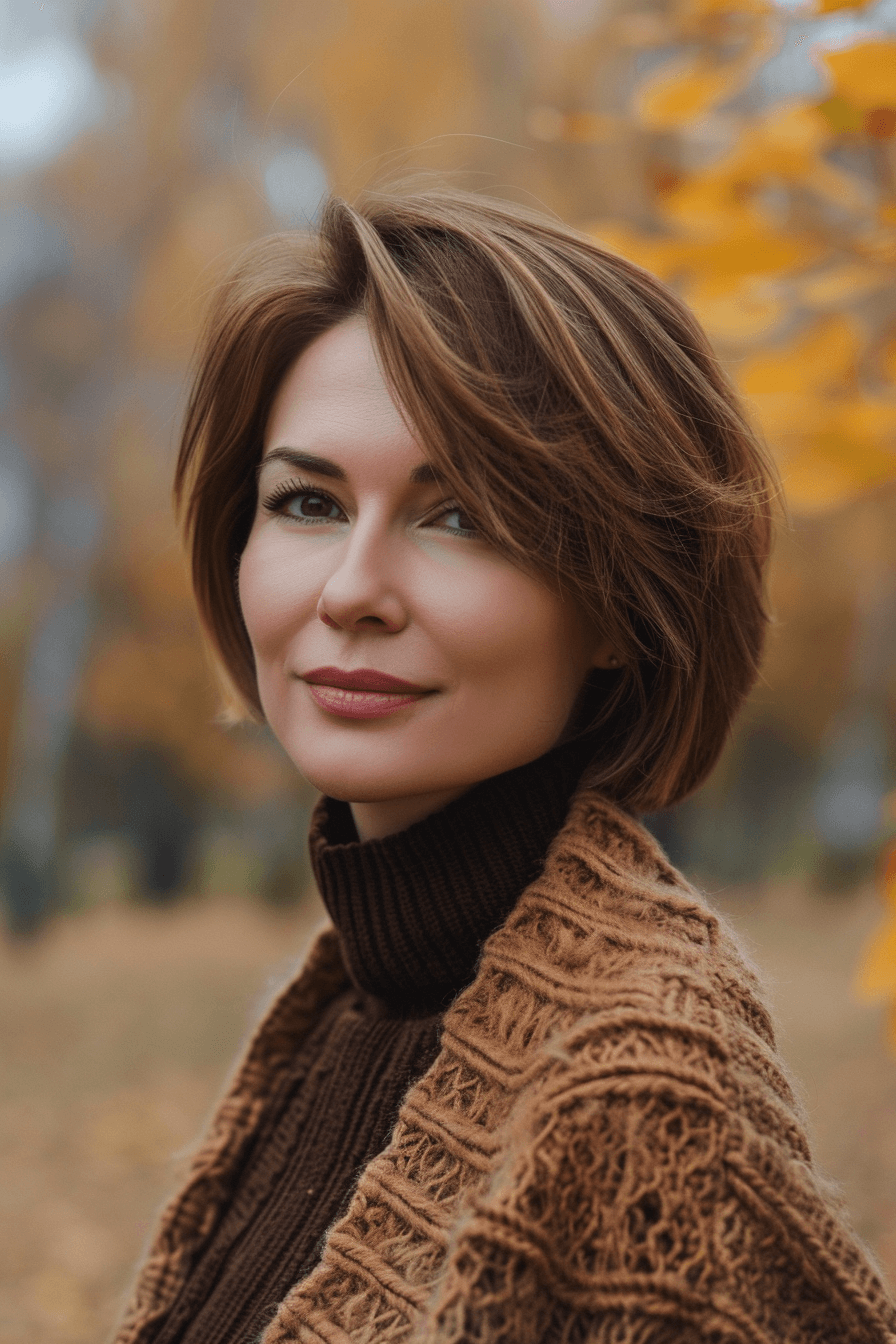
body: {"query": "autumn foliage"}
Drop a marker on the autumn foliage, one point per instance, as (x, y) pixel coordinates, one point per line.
(734, 147)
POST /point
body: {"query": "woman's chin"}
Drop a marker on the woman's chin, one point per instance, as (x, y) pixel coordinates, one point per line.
(361, 786)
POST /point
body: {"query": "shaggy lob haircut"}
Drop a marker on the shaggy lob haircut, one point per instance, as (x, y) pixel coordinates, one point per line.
(575, 409)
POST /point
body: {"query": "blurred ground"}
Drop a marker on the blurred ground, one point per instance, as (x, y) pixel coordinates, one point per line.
(118, 1026)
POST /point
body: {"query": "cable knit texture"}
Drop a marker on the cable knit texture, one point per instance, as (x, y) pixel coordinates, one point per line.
(412, 911)
(605, 1149)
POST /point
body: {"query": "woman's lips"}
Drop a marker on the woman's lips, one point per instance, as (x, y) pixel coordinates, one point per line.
(362, 704)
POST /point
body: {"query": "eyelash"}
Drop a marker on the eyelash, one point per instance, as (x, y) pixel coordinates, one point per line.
(289, 490)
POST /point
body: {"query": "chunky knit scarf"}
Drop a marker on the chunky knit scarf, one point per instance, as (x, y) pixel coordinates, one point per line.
(606, 1150)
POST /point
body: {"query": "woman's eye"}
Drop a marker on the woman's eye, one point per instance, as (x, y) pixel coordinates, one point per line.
(308, 504)
(300, 502)
(303, 504)
(468, 529)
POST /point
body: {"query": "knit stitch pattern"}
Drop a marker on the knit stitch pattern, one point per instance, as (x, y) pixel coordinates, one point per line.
(606, 1150)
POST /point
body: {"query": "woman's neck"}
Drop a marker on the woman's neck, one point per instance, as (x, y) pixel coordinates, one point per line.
(413, 907)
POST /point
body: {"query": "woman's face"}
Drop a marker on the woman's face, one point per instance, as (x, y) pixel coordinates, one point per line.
(356, 566)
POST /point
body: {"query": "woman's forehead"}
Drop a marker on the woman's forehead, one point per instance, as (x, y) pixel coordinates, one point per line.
(341, 356)
(334, 386)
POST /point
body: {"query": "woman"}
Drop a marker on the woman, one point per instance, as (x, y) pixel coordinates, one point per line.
(478, 528)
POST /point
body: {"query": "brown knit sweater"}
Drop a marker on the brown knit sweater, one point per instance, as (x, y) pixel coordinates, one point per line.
(412, 912)
(606, 1148)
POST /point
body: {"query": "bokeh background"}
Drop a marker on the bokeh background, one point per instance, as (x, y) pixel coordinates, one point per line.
(153, 865)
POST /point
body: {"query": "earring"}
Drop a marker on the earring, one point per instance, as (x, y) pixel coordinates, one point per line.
(613, 660)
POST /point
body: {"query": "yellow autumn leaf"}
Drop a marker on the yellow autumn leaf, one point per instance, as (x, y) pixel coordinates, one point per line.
(789, 420)
(877, 970)
(376, 79)
(707, 203)
(590, 128)
(863, 421)
(789, 144)
(654, 253)
(840, 283)
(784, 142)
(719, 263)
(825, 474)
(687, 88)
(210, 227)
(864, 75)
(834, 465)
(754, 250)
(878, 246)
(823, 357)
(831, 6)
(889, 362)
(687, 9)
(840, 115)
(813, 486)
(737, 312)
(888, 884)
(876, 975)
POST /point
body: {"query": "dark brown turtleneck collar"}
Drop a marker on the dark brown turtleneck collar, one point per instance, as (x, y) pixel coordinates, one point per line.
(413, 909)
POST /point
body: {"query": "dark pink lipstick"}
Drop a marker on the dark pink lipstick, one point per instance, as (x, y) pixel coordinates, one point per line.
(364, 694)
(364, 679)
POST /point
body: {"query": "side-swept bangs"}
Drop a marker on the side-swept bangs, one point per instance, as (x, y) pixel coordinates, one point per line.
(576, 410)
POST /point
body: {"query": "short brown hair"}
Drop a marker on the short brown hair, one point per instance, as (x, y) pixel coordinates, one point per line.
(577, 412)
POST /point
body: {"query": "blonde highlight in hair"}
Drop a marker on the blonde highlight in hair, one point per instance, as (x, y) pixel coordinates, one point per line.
(575, 408)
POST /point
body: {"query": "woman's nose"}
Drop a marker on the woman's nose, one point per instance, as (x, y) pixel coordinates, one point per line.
(364, 584)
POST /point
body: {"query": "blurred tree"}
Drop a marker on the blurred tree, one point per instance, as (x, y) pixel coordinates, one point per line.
(741, 149)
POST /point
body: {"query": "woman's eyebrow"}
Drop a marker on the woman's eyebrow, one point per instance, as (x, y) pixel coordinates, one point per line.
(423, 474)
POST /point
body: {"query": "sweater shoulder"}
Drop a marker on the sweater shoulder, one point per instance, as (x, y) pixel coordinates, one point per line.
(650, 1148)
(610, 919)
(613, 967)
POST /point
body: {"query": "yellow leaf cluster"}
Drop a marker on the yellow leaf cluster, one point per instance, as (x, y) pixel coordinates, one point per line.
(747, 248)
(889, 361)
(686, 88)
(723, 250)
(820, 360)
(841, 282)
(831, 439)
(876, 977)
(735, 309)
(392, 76)
(727, 278)
(784, 146)
(775, 248)
(687, 9)
(576, 128)
(864, 75)
(739, 244)
(830, 6)
(836, 463)
(841, 116)
(203, 238)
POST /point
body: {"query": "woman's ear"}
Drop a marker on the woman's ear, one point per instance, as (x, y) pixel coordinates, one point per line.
(605, 657)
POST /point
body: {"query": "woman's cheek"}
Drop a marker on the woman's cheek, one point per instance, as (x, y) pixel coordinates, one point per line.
(268, 602)
(251, 599)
